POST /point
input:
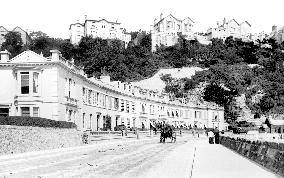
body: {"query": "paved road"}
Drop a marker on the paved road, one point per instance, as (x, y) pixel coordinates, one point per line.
(127, 158)
(145, 158)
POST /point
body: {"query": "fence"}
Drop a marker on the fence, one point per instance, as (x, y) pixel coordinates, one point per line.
(267, 154)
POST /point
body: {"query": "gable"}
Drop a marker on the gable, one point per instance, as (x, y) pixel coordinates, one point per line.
(189, 20)
(245, 23)
(28, 57)
(2, 29)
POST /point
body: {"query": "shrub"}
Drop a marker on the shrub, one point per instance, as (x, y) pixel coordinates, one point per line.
(35, 122)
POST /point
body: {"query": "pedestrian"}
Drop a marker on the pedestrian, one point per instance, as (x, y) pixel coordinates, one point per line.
(211, 137)
(217, 135)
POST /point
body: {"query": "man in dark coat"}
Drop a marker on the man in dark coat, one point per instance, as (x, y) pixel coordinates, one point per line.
(217, 135)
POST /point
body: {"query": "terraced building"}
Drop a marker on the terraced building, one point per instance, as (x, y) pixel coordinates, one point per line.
(54, 88)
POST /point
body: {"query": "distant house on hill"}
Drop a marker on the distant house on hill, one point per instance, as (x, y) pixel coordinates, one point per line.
(167, 29)
(275, 125)
(24, 35)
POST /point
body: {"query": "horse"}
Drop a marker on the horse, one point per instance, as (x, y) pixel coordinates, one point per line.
(167, 132)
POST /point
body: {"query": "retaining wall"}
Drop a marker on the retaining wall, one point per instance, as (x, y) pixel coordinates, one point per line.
(267, 154)
(19, 139)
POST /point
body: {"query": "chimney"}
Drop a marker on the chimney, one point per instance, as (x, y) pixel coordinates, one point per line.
(224, 21)
(274, 28)
(5, 56)
(155, 21)
(55, 54)
(161, 16)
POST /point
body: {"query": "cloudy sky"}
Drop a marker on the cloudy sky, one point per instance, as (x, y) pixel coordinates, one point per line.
(54, 16)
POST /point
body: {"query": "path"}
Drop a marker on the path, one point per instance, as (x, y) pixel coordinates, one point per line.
(145, 158)
(217, 161)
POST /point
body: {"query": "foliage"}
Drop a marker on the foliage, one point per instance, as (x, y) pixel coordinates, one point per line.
(227, 73)
(35, 122)
(13, 43)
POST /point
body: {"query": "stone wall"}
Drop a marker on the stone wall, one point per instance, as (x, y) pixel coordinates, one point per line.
(19, 139)
(267, 154)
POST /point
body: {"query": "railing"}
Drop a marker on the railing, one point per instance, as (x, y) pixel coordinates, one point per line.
(71, 101)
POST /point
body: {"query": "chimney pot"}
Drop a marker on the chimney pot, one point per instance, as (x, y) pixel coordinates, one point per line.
(5, 56)
(55, 54)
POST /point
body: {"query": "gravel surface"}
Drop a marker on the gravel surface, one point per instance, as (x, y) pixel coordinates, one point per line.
(131, 158)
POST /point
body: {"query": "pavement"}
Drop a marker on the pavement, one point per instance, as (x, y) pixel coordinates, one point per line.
(195, 158)
(203, 160)
(217, 161)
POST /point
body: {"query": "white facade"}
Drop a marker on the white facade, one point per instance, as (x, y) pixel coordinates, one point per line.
(230, 28)
(277, 33)
(98, 28)
(53, 88)
(165, 31)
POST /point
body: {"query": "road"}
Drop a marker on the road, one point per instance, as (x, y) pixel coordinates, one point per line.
(189, 157)
(105, 160)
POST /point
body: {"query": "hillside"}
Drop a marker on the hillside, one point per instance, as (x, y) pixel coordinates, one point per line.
(155, 82)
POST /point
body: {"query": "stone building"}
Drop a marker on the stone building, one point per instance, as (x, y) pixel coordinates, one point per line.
(54, 88)
(166, 30)
(98, 28)
(230, 28)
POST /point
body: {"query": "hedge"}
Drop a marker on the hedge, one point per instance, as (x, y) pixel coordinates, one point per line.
(35, 122)
(267, 154)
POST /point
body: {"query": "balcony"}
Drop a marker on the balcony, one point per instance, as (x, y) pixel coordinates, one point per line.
(71, 101)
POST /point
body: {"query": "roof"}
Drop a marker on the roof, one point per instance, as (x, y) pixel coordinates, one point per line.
(75, 24)
(4, 28)
(246, 23)
(174, 18)
(276, 122)
(102, 20)
(82, 24)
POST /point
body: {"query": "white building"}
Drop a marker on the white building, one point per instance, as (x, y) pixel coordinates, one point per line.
(277, 33)
(258, 36)
(166, 30)
(98, 28)
(54, 88)
(230, 28)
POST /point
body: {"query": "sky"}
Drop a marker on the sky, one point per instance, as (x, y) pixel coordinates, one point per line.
(54, 17)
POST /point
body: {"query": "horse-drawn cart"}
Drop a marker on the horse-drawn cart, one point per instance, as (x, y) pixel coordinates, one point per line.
(167, 131)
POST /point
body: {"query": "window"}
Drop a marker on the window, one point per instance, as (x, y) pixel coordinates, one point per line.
(36, 111)
(4, 111)
(98, 95)
(133, 107)
(84, 114)
(109, 100)
(84, 95)
(25, 111)
(25, 83)
(90, 96)
(121, 105)
(143, 108)
(116, 103)
(35, 82)
(127, 106)
(69, 87)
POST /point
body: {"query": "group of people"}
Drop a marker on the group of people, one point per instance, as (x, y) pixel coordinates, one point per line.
(213, 134)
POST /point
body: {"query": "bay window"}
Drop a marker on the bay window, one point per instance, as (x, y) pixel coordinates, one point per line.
(35, 82)
(29, 82)
(25, 89)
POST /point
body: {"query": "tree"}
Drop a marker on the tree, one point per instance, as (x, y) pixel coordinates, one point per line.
(13, 43)
(37, 34)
